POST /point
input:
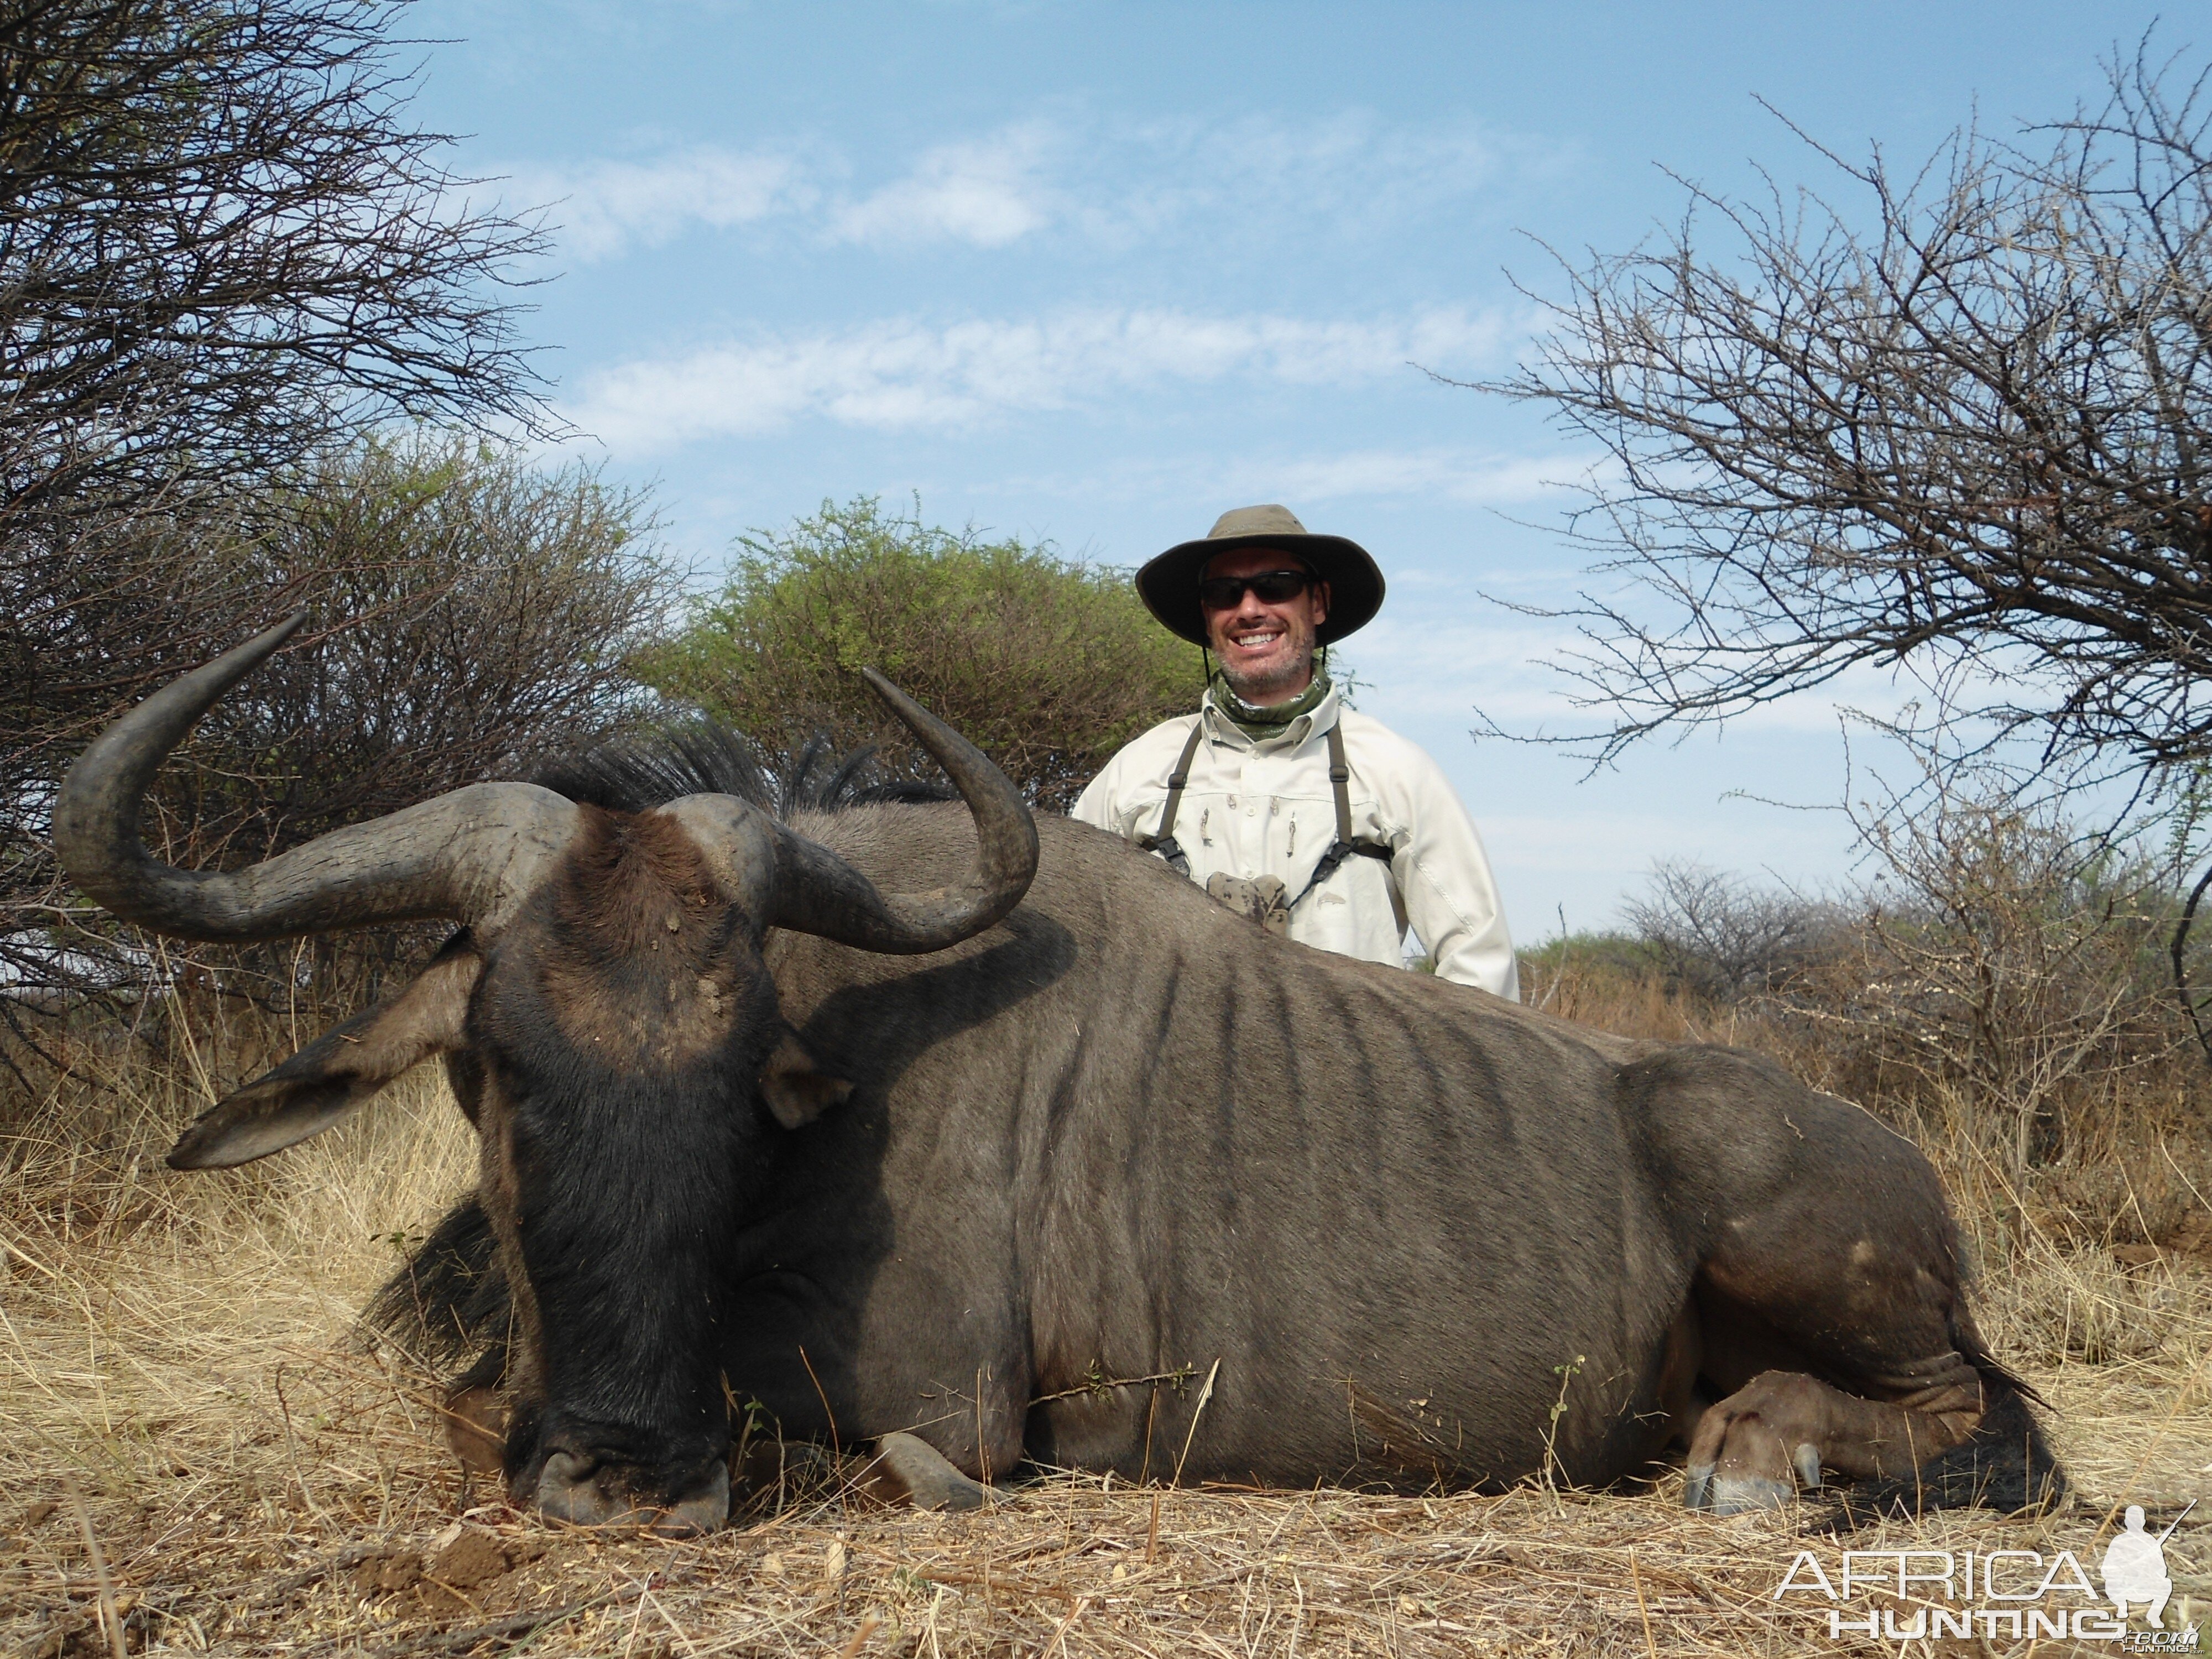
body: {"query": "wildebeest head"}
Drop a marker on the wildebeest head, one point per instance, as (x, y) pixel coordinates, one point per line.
(611, 1025)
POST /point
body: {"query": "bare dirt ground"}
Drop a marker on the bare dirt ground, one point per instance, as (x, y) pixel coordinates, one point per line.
(199, 1454)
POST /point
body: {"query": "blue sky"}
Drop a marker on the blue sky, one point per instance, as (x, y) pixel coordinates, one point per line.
(1096, 273)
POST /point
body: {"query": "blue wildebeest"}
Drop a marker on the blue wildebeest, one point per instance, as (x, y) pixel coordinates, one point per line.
(913, 1118)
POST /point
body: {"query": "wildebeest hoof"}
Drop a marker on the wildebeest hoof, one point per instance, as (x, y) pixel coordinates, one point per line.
(589, 1493)
(1806, 1461)
(908, 1470)
(1697, 1486)
(1732, 1492)
(1740, 1494)
(1756, 1449)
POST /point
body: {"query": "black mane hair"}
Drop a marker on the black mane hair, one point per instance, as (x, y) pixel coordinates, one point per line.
(701, 757)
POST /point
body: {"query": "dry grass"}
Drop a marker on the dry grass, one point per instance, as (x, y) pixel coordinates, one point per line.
(177, 1352)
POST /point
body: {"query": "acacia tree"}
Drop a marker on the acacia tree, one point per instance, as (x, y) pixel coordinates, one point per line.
(223, 250)
(1725, 938)
(1958, 424)
(1048, 667)
(220, 238)
(1962, 424)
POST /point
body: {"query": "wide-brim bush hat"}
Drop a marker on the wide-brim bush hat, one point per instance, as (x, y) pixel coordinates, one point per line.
(1169, 584)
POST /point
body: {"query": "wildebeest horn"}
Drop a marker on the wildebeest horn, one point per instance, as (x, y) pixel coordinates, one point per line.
(818, 892)
(470, 855)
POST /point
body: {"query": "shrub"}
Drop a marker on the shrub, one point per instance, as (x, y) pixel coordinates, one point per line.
(1723, 937)
(1996, 984)
(1048, 667)
(467, 611)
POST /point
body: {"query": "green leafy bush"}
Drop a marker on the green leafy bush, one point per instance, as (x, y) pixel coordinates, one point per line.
(1048, 665)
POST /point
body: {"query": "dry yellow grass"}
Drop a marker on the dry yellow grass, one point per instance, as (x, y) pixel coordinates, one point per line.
(181, 1383)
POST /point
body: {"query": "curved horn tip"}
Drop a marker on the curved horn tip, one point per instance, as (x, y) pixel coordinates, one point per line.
(242, 658)
(829, 898)
(96, 811)
(263, 645)
(883, 688)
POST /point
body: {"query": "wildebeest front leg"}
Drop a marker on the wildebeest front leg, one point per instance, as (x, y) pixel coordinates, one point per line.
(1778, 1432)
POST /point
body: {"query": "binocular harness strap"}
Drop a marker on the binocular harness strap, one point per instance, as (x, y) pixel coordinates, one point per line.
(1345, 845)
(1165, 842)
(1340, 778)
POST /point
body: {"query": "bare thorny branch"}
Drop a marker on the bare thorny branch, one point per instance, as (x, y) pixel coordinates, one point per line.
(1980, 424)
(1957, 428)
(219, 240)
(225, 253)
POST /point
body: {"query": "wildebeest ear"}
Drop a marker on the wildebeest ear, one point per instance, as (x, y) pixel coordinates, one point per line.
(338, 1072)
(796, 1088)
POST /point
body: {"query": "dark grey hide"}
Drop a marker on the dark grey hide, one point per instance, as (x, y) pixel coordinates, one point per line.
(1124, 1132)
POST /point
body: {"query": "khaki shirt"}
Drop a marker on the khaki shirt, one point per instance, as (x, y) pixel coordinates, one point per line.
(1251, 809)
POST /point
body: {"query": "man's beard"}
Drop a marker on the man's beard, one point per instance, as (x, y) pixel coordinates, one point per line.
(1272, 684)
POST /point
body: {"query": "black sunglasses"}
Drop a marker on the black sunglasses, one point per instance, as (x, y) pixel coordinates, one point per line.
(1273, 587)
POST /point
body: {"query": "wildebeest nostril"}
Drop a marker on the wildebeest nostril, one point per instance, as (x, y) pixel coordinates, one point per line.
(587, 1493)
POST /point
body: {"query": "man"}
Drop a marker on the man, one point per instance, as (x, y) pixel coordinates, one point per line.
(1245, 797)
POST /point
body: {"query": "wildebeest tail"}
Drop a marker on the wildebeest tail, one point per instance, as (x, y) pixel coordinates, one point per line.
(2005, 1465)
(450, 1300)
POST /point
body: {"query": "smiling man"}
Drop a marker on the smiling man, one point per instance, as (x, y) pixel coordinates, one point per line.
(1313, 820)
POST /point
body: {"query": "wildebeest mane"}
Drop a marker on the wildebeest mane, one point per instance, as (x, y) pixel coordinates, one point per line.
(701, 756)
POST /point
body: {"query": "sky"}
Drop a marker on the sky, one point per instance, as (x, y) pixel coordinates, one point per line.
(1094, 274)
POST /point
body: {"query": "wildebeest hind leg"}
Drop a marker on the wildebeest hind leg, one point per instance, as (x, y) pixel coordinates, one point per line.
(1781, 1429)
(1835, 1327)
(1837, 1330)
(909, 1470)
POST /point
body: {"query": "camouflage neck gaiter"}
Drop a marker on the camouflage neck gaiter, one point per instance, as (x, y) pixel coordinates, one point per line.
(1260, 723)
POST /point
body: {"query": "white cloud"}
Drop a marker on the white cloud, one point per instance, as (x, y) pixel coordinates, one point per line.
(1452, 474)
(1478, 478)
(989, 193)
(903, 374)
(1256, 181)
(604, 207)
(1337, 175)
